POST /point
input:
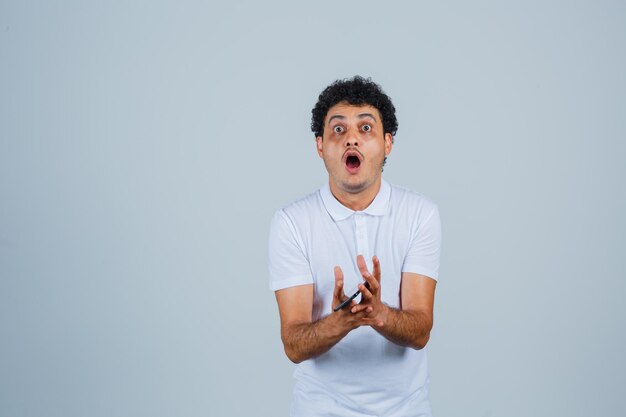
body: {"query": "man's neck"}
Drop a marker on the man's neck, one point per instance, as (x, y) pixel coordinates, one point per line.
(356, 201)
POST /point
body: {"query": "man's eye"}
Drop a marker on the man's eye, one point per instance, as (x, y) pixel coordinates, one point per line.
(366, 128)
(338, 129)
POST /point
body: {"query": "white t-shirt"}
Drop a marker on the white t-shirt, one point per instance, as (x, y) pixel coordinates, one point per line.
(364, 372)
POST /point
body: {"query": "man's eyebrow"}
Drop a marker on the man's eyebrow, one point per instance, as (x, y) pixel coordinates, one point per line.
(337, 116)
(362, 115)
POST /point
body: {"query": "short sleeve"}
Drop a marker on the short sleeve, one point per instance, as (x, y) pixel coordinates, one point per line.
(288, 264)
(425, 247)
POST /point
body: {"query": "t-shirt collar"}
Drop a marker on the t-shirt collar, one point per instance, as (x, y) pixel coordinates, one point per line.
(338, 211)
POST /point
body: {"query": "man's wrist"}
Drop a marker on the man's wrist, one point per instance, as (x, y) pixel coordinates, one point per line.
(384, 316)
(339, 327)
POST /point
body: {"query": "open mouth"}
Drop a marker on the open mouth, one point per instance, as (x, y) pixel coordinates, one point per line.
(352, 159)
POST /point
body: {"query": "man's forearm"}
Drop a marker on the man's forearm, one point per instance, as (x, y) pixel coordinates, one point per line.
(406, 327)
(307, 340)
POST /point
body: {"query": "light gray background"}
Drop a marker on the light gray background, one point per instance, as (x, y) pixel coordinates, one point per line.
(144, 147)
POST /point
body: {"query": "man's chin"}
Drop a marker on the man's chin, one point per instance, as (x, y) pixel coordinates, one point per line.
(355, 187)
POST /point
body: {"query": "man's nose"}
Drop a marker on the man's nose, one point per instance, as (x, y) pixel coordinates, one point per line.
(352, 139)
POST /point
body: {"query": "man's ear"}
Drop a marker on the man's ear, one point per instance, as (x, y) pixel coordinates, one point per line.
(319, 143)
(388, 143)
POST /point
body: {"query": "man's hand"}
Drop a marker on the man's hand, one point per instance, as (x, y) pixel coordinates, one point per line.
(347, 317)
(371, 303)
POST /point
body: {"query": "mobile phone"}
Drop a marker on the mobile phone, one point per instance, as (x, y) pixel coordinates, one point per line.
(347, 300)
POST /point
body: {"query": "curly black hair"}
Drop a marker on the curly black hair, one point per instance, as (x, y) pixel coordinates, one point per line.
(356, 91)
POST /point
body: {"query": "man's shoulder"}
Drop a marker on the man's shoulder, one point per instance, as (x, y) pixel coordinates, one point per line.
(404, 196)
(302, 206)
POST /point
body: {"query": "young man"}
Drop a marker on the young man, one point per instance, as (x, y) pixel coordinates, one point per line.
(367, 358)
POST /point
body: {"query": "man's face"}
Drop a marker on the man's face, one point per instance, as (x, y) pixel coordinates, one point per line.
(353, 147)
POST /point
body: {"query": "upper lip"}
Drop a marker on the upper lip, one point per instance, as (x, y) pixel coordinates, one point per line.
(352, 152)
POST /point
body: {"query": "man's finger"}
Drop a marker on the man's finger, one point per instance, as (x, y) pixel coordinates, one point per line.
(365, 293)
(374, 285)
(376, 264)
(360, 262)
(338, 292)
(372, 282)
(361, 307)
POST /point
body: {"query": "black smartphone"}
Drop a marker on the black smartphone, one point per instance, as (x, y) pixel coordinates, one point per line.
(347, 300)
